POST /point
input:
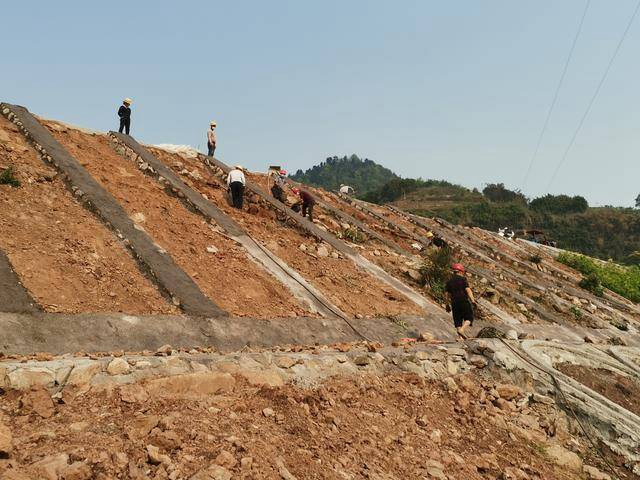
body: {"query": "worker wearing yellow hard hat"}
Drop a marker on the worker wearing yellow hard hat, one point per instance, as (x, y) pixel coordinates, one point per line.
(124, 112)
(211, 138)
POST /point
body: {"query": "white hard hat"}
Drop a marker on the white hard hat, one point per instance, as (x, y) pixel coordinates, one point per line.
(239, 167)
(213, 123)
(127, 101)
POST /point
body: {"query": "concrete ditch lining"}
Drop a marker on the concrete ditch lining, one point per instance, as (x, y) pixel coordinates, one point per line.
(428, 306)
(25, 334)
(267, 260)
(14, 297)
(154, 262)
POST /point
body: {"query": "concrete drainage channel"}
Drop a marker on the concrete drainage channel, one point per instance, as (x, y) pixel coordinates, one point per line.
(150, 165)
(604, 419)
(14, 298)
(154, 262)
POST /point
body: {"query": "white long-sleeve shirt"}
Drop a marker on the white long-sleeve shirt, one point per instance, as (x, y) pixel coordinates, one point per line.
(235, 175)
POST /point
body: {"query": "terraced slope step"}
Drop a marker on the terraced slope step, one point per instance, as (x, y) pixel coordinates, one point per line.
(155, 262)
(299, 287)
(14, 298)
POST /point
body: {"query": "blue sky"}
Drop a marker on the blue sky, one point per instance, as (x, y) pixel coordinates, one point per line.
(456, 90)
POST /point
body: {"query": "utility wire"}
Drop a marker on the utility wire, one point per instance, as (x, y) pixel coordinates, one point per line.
(555, 95)
(593, 98)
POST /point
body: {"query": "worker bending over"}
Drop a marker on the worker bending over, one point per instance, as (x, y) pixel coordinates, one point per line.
(461, 299)
(346, 189)
(211, 139)
(307, 201)
(236, 183)
(124, 112)
(279, 182)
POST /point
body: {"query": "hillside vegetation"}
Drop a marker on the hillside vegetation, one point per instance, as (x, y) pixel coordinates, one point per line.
(362, 175)
(603, 232)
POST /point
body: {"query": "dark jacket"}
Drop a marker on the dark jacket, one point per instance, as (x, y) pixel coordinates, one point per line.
(124, 112)
(307, 198)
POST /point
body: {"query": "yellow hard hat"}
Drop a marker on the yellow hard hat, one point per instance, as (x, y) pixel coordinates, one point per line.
(213, 123)
(127, 101)
(429, 234)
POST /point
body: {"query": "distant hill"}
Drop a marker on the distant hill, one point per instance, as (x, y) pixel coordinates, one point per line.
(363, 175)
(603, 232)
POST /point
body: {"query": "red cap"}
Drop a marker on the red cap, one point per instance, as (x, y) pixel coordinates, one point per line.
(457, 267)
(283, 172)
(296, 190)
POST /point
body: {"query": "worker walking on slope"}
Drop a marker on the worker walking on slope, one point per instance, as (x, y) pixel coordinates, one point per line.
(307, 200)
(279, 183)
(211, 139)
(236, 183)
(124, 112)
(461, 299)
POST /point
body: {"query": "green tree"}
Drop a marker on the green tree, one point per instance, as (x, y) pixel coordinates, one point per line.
(497, 192)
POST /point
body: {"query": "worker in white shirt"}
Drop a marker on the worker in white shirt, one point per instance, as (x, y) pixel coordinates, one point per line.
(346, 189)
(236, 183)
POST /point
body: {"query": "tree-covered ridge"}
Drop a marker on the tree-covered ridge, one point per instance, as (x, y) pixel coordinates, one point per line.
(362, 175)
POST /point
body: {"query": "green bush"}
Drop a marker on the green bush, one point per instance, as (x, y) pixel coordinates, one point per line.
(623, 280)
(592, 283)
(436, 271)
(560, 204)
(8, 178)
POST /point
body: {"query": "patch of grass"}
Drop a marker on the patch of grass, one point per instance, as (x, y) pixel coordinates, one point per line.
(7, 177)
(436, 271)
(623, 280)
(351, 234)
(577, 313)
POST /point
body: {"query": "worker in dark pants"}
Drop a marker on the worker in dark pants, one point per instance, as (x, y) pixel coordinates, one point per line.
(124, 112)
(461, 299)
(308, 202)
(211, 139)
(236, 183)
(277, 190)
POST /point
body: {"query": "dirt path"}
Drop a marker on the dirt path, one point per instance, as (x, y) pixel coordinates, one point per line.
(63, 255)
(353, 291)
(392, 427)
(619, 389)
(226, 275)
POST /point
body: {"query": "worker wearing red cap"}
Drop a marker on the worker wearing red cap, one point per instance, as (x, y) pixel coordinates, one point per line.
(461, 299)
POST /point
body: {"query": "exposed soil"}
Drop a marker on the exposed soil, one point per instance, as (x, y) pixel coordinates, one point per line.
(619, 389)
(67, 259)
(382, 428)
(347, 287)
(228, 277)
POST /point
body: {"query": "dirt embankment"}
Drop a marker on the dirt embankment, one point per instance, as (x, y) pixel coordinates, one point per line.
(221, 268)
(392, 427)
(619, 389)
(67, 259)
(350, 289)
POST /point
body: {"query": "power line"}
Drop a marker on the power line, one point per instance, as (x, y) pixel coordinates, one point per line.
(555, 96)
(593, 98)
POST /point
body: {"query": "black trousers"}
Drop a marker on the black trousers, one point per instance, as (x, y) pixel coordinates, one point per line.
(125, 123)
(278, 193)
(237, 194)
(307, 210)
(212, 149)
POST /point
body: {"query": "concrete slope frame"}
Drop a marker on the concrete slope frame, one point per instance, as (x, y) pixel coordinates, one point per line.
(298, 286)
(14, 298)
(154, 261)
(379, 273)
